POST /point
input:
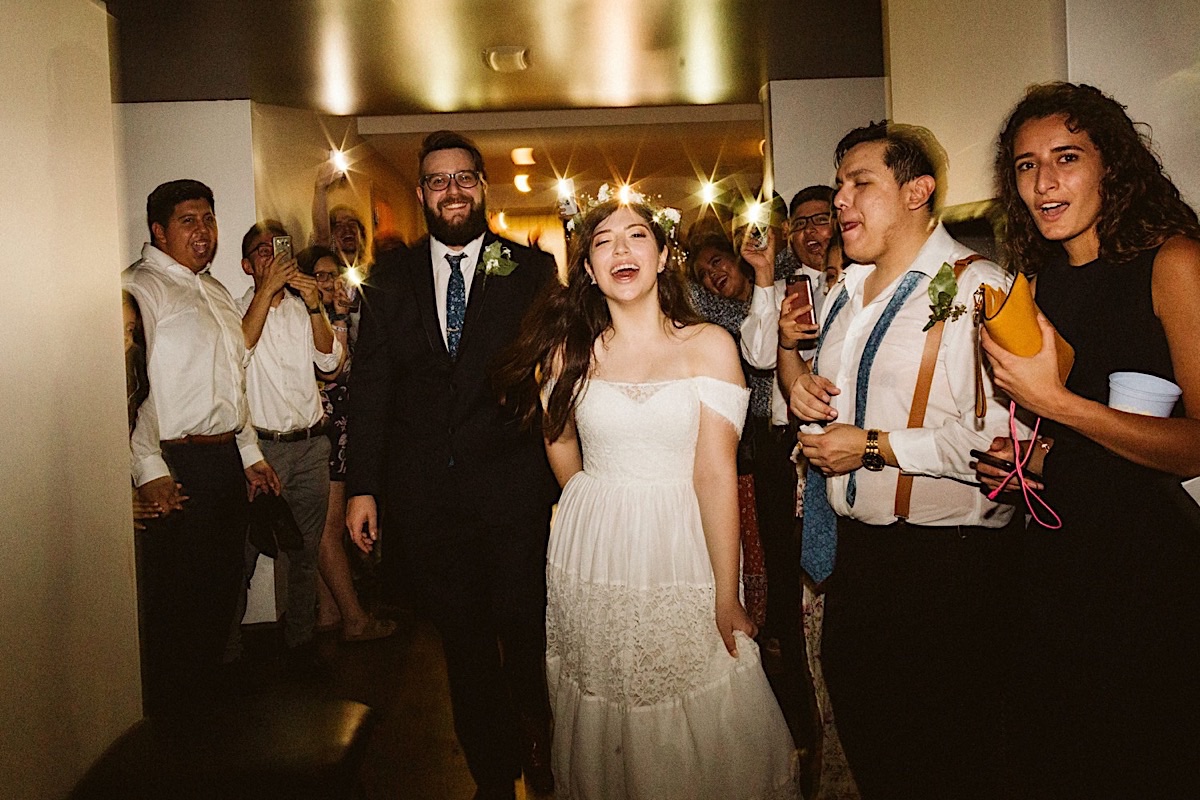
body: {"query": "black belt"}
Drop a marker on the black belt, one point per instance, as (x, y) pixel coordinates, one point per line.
(300, 435)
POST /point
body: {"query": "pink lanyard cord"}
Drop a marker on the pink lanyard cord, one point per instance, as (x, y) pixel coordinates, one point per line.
(1019, 472)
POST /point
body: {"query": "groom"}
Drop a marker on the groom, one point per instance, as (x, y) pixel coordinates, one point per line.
(465, 492)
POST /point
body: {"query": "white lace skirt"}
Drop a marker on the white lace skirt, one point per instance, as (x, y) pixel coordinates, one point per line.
(647, 702)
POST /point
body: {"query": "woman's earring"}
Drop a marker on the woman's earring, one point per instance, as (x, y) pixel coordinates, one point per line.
(593, 277)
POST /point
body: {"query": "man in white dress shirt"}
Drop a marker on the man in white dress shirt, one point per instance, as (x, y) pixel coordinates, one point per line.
(285, 327)
(914, 640)
(809, 229)
(193, 451)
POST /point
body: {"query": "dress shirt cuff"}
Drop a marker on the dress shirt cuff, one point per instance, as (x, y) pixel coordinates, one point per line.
(248, 448)
(328, 362)
(916, 451)
(764, 300)
(760, 329)
(148, 469)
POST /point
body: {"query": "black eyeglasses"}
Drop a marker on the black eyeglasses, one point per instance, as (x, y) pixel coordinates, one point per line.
(437, 181)
(817, 220)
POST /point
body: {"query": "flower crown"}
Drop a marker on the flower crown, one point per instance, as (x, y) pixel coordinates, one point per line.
(667, 218)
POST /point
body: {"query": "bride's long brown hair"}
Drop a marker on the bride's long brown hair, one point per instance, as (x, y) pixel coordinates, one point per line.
(558, 333)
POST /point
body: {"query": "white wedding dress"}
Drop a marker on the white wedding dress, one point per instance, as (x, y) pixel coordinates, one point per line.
(648, 704)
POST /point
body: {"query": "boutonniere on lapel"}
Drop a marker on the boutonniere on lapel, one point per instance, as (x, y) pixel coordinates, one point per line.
(494, 260)
(942, 291)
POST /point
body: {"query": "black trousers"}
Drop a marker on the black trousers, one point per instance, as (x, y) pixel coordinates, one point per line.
(916, 652)
(483, 584)
(775, 503)
(189, 576)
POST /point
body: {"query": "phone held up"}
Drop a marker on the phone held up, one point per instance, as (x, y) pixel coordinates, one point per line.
(756, 235)
(799, 284)
(282, 246)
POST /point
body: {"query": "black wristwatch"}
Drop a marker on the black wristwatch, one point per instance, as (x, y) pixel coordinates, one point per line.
(872, 459)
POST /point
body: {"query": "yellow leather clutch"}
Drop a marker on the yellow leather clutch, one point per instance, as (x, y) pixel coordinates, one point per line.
(1011, 320)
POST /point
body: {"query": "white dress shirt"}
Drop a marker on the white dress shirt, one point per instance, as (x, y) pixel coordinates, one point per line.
(195, 359)
(760, 332)
(944, 493)
(759, 336)
(441, 272)
(281, 386)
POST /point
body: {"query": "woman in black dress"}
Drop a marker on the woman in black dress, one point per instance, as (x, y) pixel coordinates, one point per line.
(1110, 600)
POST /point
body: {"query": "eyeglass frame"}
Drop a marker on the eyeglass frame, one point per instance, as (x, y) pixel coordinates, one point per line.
(800, 223)
(475, 174)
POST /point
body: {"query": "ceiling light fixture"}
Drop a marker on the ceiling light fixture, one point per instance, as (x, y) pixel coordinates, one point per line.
(624, 193)
(507, 58)
(708, 192)
(522, 182)
(523, 156)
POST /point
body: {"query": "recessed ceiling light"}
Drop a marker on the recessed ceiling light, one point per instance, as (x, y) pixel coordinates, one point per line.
(522, 183)
(523, 156)
(507, 58)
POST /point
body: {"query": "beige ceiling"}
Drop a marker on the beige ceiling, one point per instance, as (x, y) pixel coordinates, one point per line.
(658, 91)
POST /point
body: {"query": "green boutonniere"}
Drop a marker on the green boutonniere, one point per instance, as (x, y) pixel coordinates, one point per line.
(942, 291)
(494, 260)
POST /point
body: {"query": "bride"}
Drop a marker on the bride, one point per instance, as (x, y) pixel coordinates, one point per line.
(654, 678)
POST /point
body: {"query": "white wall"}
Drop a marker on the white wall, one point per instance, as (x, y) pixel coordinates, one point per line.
(807, 120)
(291, 144)
(959, 68)
(207, 141)
(69, 663)
(1148, 59)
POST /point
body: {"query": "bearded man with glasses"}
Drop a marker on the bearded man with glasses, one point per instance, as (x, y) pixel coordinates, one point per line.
(465, 490)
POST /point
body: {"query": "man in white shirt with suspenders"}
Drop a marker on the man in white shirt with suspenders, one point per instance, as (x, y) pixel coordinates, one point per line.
(913, 557)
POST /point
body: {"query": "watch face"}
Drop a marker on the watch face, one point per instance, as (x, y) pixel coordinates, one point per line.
(873, 461)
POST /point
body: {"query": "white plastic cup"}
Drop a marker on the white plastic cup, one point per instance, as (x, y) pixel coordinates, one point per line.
(1139, 393)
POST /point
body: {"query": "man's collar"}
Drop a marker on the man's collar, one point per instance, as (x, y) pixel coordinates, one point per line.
(160, 259)
(934, 252)
(438, 251)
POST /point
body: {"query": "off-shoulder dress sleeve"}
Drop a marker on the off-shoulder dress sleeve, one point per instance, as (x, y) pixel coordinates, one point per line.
(727, 399)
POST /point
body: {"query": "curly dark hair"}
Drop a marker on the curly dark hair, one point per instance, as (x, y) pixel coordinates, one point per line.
(560, 330)
(1140, 208)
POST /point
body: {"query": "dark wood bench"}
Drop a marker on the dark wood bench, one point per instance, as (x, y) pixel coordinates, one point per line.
(259, 748)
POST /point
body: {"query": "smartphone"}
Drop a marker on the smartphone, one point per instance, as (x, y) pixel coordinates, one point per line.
(756, 235)
(993, 461)
(798, 284)
(282, 246)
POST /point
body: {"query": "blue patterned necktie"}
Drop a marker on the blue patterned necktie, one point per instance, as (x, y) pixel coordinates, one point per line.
(819, 528)
(456, 303)
(818, 544)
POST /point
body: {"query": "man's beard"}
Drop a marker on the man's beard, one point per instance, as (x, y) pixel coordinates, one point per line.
(457, 234)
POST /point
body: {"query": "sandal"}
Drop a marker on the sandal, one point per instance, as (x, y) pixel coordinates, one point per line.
(373, 629)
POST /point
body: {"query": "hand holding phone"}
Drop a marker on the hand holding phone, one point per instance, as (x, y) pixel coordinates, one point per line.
(1002, 464)
(282, 245)
(798, 284)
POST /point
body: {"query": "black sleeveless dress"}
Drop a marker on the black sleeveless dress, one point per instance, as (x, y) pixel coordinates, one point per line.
(1111, 655)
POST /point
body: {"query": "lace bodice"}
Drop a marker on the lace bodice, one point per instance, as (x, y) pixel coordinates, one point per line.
(646, 432)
